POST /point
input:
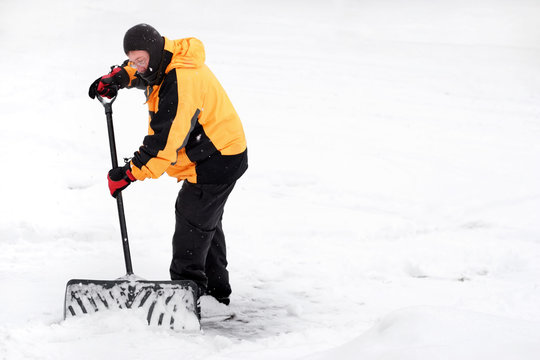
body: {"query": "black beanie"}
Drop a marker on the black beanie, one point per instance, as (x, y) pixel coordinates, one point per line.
(145, 37)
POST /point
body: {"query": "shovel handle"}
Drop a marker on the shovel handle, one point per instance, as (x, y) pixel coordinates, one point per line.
(107, 104)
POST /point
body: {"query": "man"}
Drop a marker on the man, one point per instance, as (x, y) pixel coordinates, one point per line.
(194, 135)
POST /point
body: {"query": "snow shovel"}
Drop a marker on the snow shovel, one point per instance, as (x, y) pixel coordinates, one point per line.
(172, 304)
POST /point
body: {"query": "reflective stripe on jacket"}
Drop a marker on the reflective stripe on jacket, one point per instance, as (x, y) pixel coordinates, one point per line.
(194, 131)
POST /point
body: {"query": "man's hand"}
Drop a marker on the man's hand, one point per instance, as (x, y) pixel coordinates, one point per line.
(108, 85)
(119, 179)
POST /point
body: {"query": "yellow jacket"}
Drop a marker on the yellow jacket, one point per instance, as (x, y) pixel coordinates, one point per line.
(194, 132)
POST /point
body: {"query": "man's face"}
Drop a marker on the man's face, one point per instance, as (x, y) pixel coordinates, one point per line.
(139, 60)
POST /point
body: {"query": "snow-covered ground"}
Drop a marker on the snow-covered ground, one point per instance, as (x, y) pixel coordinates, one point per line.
(391, 209)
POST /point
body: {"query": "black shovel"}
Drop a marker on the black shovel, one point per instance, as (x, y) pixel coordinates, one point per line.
(172, 304)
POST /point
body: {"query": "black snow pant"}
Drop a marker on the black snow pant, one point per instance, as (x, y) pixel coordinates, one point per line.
(199, 251)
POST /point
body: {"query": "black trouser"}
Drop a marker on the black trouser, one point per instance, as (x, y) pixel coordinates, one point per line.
(199, 251)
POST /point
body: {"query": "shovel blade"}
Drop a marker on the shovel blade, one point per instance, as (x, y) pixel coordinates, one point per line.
(171, 304)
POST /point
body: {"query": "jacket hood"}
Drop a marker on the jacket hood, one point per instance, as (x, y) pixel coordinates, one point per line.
(187, 53)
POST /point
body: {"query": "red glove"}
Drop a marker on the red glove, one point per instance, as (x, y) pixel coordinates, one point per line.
(108, 85)
(119, 179)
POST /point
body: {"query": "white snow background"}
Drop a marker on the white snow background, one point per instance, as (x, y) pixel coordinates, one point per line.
(392, 205)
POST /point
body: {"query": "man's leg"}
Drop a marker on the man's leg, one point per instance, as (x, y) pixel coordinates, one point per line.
(199, 209)
(216, 267)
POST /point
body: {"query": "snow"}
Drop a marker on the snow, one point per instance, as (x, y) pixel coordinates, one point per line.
(414, 333)
(391, 206)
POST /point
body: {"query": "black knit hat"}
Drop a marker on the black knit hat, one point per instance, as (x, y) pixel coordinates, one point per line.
(145, 37)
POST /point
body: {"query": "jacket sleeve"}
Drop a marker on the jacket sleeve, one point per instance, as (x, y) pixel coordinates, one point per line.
(170, 127)
(134, 80)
